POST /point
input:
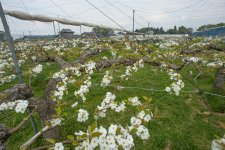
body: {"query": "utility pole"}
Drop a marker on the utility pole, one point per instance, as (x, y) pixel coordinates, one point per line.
(80, 29)
(133, 19)
(15, 61)
(54, 27)
(148, 29)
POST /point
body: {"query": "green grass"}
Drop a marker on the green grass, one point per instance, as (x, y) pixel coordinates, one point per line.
(178, 121)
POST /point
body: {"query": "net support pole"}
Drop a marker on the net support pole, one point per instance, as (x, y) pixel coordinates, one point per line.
(15, 61)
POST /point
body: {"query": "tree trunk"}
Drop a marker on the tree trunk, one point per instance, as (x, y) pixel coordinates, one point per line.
(220, 78)
(4, 135)
(48, 109)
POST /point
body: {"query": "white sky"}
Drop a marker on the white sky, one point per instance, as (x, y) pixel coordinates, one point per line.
(165, 13)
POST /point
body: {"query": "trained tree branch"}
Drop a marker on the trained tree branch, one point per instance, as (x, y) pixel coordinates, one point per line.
(13, 130)
(26, 145)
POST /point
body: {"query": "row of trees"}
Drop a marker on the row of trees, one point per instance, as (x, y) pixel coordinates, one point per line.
(102, 32)
(175, 30)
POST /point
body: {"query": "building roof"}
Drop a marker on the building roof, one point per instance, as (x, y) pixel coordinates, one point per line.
(66, 31)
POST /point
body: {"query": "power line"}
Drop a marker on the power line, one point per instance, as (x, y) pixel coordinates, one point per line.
(60, 8)
(135, 13)
(29, 12)
(106, 15)
(169, 11)
(122, 12)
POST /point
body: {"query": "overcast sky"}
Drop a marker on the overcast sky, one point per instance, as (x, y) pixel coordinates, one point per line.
(165, 13)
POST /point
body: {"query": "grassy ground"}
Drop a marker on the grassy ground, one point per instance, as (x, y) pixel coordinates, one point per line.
(177, 121)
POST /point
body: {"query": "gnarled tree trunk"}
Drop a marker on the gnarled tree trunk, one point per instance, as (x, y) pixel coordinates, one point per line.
(220, 78)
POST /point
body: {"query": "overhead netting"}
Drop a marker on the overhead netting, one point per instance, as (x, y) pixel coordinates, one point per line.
(42, 18)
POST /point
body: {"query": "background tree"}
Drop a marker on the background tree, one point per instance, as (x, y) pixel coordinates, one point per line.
(175, 29)
(161, 30)
(170, 31)
(182, 30)
(102, 32)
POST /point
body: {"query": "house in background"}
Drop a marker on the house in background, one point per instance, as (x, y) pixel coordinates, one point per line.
(66, 33)
(2, 36)
(88, 35)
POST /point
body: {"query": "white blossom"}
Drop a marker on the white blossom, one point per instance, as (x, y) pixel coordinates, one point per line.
(106, 79)
(74, 104)
(134, 101)
(19, 106)
(58, 146)
(56, 121)
(37, 69)
(82, 115)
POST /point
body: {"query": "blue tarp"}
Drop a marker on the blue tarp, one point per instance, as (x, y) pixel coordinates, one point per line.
(219, 31)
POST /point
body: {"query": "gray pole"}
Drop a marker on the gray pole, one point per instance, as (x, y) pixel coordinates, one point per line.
(133, 19)
(58, 25)
(10, 44)
(15, 61)
(54, 27)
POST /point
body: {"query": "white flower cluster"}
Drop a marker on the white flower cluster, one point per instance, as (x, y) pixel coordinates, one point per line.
(106, 79)
(134, 101)
(60, 74)
(109, 103)
(193, 59)
(74, 70)
(134, 68)
(113, 54)
(61, 87)
(74, 104)
(215, 64)
(19, 106)
(84, 89)
(89, 67)
(113, 139)
(37, 69)
(58, 146)
(218, 144)
(20, 62)
(168, 44)
(34, 58)
(6, 79)
(198, 45)
(127, 45)
(82, 115)
(177, 85)
(56, 121)
(6, 63)
(136, 123)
